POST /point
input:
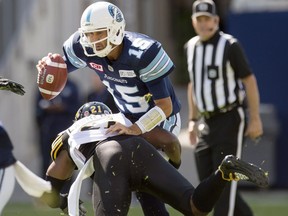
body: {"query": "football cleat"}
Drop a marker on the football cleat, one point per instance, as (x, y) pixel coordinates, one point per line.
(234, 169)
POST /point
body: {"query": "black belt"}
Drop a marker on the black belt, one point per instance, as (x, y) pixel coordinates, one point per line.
(210, 114)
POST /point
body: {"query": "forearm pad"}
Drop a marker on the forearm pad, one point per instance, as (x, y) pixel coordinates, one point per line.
(151, 119)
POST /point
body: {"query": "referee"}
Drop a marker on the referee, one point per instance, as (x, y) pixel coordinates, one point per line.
(221, 90)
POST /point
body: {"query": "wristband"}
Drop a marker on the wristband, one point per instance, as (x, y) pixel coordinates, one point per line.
(151, 119)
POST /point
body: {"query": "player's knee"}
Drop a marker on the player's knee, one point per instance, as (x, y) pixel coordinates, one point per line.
(172, 147)
(173, 151)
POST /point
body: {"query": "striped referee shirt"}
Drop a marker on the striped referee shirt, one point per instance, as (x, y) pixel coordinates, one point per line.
(215, 68)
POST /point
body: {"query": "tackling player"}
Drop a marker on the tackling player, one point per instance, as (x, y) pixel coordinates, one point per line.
(120, 164)
(135, 68)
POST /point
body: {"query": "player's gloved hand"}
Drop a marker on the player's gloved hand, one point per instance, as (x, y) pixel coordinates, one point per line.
(64, 205)
(9, 85)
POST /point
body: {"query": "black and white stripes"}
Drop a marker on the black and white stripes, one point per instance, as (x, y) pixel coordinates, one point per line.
(214, 81)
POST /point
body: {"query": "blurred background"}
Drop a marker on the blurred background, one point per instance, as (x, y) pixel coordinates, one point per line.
(29, 29)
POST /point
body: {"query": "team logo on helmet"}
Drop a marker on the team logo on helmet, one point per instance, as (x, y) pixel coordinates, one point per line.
(112, 10)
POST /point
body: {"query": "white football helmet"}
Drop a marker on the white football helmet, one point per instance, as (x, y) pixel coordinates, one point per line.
(98, 17)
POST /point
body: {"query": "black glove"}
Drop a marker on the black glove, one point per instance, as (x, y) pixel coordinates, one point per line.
(64, 205)
(9, 85)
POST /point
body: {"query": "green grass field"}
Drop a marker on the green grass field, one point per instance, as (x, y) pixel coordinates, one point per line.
(263, 204)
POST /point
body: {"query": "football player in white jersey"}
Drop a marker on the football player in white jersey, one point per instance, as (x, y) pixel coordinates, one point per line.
(135, 69)
(120, 164)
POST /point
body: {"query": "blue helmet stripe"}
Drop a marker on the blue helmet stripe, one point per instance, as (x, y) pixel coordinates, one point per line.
(88, 17)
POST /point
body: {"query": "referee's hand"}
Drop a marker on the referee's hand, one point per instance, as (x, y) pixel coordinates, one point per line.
(193, 132)
(254, 130)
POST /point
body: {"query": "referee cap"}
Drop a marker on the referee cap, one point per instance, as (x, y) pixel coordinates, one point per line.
(203, 8)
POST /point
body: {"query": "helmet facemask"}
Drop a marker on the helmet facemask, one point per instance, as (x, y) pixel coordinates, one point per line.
(87, 44)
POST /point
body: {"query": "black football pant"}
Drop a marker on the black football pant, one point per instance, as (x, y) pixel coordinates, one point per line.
(223, 136)
(130, 163)
(151, 206)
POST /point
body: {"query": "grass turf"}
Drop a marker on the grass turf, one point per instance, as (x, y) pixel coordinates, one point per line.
(262, 203)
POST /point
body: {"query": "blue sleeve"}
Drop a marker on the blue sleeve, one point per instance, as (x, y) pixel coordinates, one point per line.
(155, 63)
(5, 142)
(6, 147)
(160, 88)
(73, 53)
(163, 88)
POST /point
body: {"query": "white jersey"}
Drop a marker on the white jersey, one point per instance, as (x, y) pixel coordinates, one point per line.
(91, 129)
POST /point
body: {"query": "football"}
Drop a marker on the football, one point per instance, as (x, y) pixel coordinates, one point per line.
(53, 77)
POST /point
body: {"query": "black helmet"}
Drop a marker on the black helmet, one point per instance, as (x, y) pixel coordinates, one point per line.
(94, 107)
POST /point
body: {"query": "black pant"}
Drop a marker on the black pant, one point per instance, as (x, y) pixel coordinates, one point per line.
(133, 164)
(151, 206)
(223, 135)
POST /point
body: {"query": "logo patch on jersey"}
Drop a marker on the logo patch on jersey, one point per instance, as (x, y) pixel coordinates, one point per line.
(127, 73)
(213, 72)
(96, 66)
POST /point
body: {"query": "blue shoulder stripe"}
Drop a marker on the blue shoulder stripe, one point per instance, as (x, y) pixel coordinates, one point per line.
(72, 57)
(160, 65)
